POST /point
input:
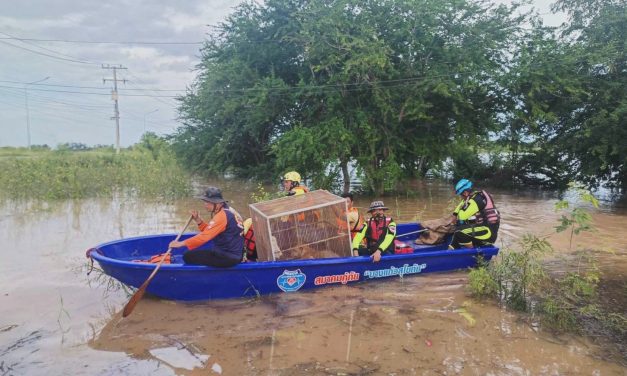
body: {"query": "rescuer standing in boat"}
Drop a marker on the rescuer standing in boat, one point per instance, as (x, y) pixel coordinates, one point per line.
(225, 229)
(476, 216)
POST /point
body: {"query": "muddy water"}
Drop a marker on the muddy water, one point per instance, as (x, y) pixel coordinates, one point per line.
(55, 320)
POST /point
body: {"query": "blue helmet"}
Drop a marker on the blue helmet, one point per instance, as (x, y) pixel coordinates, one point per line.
(462, 185)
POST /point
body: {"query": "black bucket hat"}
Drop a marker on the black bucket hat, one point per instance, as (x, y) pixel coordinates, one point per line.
(213, 195)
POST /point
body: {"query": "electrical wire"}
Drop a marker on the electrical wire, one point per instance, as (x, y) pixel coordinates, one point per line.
(100, 42)
(48, 55)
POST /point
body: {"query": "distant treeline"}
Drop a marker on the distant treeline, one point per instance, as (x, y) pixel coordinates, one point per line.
(402, 88)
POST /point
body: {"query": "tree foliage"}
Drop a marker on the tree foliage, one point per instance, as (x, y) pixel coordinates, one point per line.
(398, 87)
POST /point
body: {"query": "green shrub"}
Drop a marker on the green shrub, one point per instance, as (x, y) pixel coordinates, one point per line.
(65, 174)
(481, 283)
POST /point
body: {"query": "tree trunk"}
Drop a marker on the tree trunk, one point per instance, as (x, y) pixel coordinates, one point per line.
(346, 176)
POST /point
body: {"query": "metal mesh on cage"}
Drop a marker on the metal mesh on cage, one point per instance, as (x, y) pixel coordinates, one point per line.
(309, 226)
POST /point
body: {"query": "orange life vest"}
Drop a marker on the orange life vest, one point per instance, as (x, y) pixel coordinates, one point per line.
(359, 224)
(250, 245)
(157, 258)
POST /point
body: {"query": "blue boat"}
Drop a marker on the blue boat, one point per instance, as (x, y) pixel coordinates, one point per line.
(177, 281)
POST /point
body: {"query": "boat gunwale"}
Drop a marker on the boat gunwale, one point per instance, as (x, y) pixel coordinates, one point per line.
(277, 264)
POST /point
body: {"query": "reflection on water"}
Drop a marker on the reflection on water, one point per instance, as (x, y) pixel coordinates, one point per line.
(415, 326)
(53, 322)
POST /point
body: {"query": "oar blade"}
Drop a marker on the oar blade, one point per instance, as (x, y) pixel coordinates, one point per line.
(130, 306)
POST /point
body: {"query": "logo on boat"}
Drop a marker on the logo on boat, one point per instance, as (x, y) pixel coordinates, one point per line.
(291, 280)
(392, 271)
(337, 278)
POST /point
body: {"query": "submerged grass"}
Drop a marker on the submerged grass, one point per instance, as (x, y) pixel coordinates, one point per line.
(566, 302)
(55, 175)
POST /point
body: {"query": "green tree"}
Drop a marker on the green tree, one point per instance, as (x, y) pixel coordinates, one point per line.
(570, 101)
(391, 86)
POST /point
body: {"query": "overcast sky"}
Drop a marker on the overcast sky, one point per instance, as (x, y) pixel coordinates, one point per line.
(73, 104)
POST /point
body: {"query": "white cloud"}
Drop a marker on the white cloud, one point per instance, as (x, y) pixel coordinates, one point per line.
(70, 20)
(206, 13)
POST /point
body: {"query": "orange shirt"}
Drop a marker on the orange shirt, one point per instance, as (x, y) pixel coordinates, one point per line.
(208, 231)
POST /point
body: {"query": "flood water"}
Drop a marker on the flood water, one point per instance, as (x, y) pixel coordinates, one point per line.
(56, 320)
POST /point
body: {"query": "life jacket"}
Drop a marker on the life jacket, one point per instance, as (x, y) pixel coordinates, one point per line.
(250, 245)
(167, 259)
(356, 228)
(376, 231)
(489, 214)
(298, 190)
(359, 224)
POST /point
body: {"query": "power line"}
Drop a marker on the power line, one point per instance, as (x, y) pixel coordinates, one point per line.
(100, 42)
(92, 93)
(48, 55)
(49, 50)
(46, 99)
(90, 87)
(157, 98)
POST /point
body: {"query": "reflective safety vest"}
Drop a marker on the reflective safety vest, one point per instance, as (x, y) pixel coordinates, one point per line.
(490, 213)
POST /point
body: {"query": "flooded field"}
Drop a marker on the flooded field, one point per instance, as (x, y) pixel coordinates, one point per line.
(56, 320)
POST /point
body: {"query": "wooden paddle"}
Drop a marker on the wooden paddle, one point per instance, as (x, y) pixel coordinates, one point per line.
(128, 308)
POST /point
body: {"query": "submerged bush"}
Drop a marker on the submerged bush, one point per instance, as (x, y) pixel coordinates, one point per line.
(514, 275)
(569, 301)
(64, 174)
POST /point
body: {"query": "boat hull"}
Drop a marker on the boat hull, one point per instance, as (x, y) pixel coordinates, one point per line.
(193, 282)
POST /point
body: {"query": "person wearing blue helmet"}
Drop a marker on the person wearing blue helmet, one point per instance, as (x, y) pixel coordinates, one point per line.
(477, 219)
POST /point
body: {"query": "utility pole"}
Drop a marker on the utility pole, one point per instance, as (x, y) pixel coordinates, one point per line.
(26, 106)
(114, 96)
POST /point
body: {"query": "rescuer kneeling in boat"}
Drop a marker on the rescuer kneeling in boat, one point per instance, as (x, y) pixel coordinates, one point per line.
(225, 229)
(379, 232)
(477, 218)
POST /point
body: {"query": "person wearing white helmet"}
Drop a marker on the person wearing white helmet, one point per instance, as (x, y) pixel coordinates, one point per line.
(476, 217)
(379, 232)
(291, 184)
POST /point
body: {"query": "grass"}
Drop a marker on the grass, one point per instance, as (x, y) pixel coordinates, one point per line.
(142, 171)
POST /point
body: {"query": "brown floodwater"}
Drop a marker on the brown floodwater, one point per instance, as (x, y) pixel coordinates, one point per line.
(56, 320)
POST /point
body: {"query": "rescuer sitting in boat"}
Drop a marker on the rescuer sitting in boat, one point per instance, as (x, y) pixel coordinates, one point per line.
(225, 229)
(355, 220)
(476, 217)
(379, 232)
(291, 184)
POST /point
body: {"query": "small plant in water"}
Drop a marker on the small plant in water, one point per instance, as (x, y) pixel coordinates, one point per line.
(262, 195)
(579, 219)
